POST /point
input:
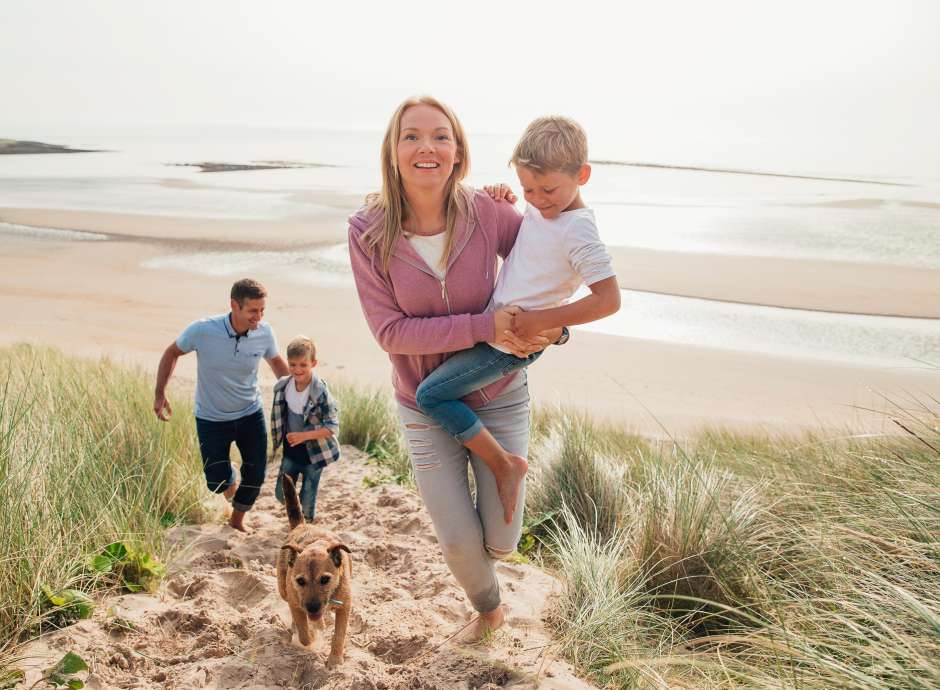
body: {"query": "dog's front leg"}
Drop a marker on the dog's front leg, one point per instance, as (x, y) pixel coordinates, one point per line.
(338, 648)
(301, 626)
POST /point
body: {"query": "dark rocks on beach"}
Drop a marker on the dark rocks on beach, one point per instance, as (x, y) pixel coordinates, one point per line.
(254, 165)
(14, 146)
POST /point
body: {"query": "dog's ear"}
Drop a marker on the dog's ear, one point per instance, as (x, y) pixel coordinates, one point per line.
(292, 551)
(336, 555)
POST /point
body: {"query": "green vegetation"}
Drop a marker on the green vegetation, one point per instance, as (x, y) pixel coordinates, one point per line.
(89, 479)
(719, 561)
(367, 420)
(728, 560)
(744, 561)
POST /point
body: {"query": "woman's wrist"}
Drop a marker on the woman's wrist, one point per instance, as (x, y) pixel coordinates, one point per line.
(483, 327)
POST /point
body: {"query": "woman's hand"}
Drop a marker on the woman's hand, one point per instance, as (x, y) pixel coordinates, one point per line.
(517, 345)
(500, 191)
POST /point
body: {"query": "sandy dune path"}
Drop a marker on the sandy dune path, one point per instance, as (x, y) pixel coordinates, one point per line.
(217, 621)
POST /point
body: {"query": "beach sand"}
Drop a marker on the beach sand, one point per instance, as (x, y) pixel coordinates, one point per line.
(94, 298)
(217, 622)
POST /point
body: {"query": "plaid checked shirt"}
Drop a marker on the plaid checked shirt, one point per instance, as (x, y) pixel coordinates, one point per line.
(320, 411)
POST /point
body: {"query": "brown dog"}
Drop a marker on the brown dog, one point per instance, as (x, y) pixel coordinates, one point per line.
(313, 575)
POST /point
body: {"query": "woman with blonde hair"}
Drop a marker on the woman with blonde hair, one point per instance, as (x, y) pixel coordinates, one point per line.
(424, 256)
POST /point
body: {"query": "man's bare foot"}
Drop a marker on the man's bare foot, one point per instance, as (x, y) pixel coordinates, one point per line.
(509, 483)
(229, 493)
(484, 624)
(237, 521)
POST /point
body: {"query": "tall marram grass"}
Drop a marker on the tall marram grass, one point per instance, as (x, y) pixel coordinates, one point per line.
(83, 463)
(367, 420)
(731, 561)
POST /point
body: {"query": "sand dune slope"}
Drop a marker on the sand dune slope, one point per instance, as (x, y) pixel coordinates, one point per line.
(217, 621)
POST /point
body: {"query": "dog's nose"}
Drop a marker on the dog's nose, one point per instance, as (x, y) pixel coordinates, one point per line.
(314, 607)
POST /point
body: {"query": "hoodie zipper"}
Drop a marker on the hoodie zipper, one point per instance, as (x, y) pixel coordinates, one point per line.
(444, 295)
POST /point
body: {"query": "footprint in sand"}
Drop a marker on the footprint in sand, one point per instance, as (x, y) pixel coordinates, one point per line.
(245, 588)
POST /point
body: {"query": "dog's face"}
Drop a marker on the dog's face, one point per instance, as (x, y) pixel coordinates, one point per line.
(314, 573)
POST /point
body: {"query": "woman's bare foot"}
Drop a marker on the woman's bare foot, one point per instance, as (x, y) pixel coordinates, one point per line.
(509, 476)
(237, 521)
(484, 624)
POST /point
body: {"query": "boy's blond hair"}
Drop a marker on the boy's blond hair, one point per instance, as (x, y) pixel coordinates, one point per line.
(301, 346)
(552, 144)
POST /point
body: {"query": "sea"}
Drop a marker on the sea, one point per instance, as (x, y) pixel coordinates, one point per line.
(681, 199)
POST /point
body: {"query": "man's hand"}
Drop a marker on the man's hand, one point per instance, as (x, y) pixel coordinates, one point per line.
(500, 191)
(295, 438)
(161, 407)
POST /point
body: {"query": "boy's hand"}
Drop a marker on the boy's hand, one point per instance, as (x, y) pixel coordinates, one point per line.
(500, 191)
(527, 324)
(296, 437)
(161, 406)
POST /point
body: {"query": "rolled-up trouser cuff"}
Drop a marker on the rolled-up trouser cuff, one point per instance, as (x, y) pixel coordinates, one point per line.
(242, 507)
(487, 601)
(474, 429)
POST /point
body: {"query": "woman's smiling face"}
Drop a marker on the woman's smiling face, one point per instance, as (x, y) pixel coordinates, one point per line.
(426, 148)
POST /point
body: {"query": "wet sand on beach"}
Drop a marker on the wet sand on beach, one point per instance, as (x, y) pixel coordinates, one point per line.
(94, 298)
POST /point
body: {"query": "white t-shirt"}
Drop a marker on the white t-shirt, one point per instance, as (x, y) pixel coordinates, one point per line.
(296, 399)
(550, 260)
(431, 249)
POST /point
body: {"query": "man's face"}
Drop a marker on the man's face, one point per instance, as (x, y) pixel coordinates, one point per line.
(249, 315)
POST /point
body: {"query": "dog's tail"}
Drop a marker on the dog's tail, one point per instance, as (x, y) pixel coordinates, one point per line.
(294, 515)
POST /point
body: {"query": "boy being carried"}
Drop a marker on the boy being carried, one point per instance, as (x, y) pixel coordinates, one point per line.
(305, 418)
(557, 250)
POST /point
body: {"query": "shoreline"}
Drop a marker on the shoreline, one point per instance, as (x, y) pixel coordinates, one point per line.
(804, 284)
(95, 299)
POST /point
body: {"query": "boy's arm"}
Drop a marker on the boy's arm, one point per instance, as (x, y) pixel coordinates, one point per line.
(604, 300)
(327, 413)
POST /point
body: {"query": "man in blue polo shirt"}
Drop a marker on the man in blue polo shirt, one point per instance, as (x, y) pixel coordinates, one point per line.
(229, 348)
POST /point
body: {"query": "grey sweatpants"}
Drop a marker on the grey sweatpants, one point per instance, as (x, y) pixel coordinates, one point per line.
(471, 536)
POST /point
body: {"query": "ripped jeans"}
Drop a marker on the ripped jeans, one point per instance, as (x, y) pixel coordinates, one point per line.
(471, 536)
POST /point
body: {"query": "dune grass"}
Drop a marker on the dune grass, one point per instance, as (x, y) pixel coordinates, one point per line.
(83, 464)
(367, 420)
(730, 560)
(723, 560)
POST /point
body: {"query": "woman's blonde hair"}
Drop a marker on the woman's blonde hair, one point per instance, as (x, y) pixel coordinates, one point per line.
(391, 205)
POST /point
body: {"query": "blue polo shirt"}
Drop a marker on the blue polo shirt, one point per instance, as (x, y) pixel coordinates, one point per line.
(227, 366)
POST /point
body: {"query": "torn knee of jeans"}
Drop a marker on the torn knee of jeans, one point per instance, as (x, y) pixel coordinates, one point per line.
(425, 461)
(497, 554)
(420, 426)
(419, 442)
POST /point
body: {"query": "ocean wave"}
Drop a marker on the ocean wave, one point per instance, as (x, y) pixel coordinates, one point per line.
(51, 233)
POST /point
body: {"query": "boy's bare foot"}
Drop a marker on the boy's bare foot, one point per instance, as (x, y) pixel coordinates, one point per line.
(509, 483)
(237, 521)
(483, 625)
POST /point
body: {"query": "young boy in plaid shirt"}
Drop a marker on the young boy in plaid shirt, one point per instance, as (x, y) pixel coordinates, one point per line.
(305, 418)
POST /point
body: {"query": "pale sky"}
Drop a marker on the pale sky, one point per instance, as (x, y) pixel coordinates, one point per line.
(859, 69)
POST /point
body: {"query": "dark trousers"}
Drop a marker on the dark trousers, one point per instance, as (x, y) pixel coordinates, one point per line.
(251, 438)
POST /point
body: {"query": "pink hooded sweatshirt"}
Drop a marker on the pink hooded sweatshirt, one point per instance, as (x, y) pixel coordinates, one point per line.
(421, 320)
